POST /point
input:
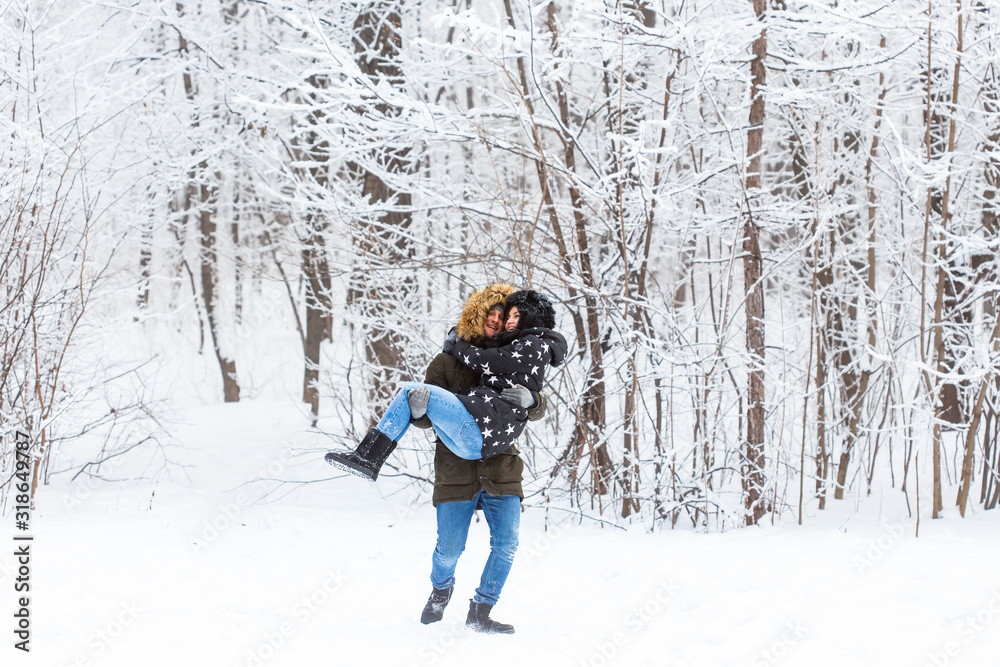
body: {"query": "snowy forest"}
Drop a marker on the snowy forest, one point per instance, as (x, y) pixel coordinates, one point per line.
(770, 228)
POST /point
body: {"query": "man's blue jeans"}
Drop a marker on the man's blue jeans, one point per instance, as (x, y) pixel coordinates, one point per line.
(457, 429)
(503, 515)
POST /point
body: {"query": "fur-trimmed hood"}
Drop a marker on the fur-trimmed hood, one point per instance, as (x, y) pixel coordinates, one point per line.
(477, 306)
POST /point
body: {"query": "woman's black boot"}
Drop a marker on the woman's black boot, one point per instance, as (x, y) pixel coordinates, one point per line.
(434, 609)
(480, 621)
(367, 459)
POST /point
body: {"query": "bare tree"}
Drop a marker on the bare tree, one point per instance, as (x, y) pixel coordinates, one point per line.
(378, 286)
(200, 202)
(753, 463)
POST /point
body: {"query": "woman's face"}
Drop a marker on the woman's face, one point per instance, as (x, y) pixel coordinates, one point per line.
(512, 319)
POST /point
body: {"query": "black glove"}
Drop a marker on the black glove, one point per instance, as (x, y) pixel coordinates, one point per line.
(519, 395)
(449, 342)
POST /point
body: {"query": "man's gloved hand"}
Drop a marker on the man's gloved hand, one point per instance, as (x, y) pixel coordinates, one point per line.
(418, 402)
(449, 342)
(520, 395)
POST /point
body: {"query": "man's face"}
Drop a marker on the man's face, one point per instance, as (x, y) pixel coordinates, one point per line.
(493, 324)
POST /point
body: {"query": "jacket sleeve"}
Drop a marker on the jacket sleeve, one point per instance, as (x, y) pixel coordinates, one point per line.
(537, 412)
(518, 357)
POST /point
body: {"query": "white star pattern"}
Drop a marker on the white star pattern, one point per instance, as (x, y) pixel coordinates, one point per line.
(528, 357)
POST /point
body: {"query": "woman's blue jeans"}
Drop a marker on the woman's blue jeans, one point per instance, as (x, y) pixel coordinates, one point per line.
(457, 429)
(503, 515)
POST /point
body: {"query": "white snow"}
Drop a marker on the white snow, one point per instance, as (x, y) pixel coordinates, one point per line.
(198, 570)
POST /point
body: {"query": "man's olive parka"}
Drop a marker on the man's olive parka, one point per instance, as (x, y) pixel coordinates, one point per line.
(456, 478)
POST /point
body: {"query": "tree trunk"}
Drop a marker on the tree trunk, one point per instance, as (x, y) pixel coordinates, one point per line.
(985, 270)
(821, 313)
(856, 385)
(209, 260)
(970, 433)
(207, 197)
(987, 273)
(542, 173)
(590, 426)
(145, 259)
(317, 277)
(934, 144)
(234, 233)
(381, 241)
(623, 122)
(753, 464)
(947, 406)
(315, 152)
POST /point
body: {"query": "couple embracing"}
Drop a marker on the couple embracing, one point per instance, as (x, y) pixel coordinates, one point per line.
(477, 395)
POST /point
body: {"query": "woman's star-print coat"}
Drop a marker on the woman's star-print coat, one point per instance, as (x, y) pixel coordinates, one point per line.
(522, 361)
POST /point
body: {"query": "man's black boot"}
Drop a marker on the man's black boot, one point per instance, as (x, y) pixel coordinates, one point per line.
(434, 609)
(480, 621)
(367, 459)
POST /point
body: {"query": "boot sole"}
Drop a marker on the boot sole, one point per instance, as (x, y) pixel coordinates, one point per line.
(487, 631)
(347, 466)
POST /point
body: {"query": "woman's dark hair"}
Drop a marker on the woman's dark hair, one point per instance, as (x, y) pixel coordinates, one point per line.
(535, 309)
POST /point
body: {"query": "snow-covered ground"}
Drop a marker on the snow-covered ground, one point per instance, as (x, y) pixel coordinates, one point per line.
(197, 570)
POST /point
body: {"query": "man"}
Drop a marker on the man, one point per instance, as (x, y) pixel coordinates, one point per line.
(461, 486)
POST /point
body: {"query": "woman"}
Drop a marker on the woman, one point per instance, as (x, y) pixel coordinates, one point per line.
(481, 423)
